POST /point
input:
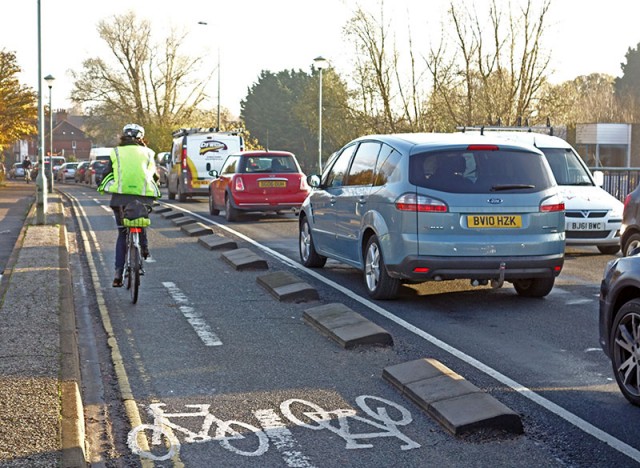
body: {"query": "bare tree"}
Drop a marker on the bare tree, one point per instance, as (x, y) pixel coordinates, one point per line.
(152, 84)
(494, 72)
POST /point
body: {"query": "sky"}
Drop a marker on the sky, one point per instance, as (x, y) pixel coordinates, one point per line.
(583, 36)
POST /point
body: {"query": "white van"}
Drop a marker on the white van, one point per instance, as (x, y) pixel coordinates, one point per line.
(100, 153)
(593, 216)
(195, 154)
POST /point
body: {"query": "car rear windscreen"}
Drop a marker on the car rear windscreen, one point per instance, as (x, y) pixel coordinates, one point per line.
(480, 171)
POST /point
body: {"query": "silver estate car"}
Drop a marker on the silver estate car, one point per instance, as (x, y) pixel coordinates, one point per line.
(434, 207)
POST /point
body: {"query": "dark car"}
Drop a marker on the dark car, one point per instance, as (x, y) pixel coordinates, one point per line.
(620, 322)
(80, 169)
(257, 181)
(630, 228)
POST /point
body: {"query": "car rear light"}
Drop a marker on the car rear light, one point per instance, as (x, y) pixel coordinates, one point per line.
(304, 187)
(627, 199)
(238, 184)
(183, 159)
(482, 148)
(551, 204)
(420, 203)
(421, 270)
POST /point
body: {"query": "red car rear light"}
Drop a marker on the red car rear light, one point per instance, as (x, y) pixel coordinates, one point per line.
(304, 187)
(183, 159)
(549, 207)
(238, 184)
(420, 203)
(483, 148)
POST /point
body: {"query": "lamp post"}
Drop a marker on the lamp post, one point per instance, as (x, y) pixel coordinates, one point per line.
(41, 181)
(320, 64)
(204, 23)
(49, 79)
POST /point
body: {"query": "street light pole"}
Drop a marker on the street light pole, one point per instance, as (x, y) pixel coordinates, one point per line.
(49, 79)
(41, 181)
(204, 23)
(320, 64)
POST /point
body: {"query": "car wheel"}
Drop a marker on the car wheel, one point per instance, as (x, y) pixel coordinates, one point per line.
(534, 287)
(212, 209)
(308, 255)
(632, 242)
(609, 249)
(182, 197)
(231, 214)
(170, 194)
(625, 348)
(379, 284)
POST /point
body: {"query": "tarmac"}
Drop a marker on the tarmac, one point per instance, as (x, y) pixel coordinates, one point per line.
(41, 412)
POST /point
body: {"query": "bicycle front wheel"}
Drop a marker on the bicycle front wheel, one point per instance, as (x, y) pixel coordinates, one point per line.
(134, 274)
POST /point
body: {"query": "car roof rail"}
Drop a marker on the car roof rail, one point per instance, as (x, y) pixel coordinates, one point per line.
(548, 129)
(188, 131)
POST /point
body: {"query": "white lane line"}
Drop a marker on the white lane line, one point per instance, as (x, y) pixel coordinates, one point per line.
(202, 329)
(282, 438)
(578, 422)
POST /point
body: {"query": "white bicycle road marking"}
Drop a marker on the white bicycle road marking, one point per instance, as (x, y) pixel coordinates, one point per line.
(195, 319)
(299, 412)
(526, 392)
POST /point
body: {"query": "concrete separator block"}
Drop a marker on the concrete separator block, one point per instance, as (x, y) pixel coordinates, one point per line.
(159, 210)
(287, 287)
(474, 411)
(215, 242)
(244, 259)
(401, 375)
(346, 327)
(172, 214)
(183, 220)
(196, 229)
(455, 403)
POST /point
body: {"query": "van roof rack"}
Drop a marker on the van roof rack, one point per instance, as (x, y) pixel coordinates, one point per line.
(548, 129)
(189, 131)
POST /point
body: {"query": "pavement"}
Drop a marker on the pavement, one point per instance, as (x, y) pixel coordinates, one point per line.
(41, 412)
(41, 422)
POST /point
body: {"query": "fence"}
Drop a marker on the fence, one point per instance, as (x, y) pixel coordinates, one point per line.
(619, 181)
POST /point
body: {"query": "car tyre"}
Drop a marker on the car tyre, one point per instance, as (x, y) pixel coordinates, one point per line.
(632, 242)
(609, 249)
(212, 209)
(379, 284)
(624, 345)
(182, 197)
(534, 287)
(231, 214)
(308, 255)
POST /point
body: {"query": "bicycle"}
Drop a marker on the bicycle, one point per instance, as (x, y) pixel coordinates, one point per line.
(134, 262)
(27, 175)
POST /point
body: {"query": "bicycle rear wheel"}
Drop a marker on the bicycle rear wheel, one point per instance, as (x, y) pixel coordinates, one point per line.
(134, 276)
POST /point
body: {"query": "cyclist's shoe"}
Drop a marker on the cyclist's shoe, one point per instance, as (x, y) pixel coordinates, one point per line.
(145, 252)
(117, 279)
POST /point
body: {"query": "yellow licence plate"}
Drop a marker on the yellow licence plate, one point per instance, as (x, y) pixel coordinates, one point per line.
(272, 183)
(494, 221)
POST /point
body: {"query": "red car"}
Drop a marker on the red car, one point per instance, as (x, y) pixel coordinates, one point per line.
(257, 181)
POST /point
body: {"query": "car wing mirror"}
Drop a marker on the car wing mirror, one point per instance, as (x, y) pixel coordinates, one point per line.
(598, 177)
(313, 181)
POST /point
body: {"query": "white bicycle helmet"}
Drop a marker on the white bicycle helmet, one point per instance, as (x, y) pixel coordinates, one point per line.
(133, 130)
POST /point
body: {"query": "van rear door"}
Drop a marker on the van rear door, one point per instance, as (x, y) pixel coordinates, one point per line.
(206, 153)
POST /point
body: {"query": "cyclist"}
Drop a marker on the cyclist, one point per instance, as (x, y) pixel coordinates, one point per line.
(130, 175)
(26, 165)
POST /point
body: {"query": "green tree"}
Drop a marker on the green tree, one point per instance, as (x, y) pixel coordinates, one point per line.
(18, 103)
(147, 83)
(281, 112)
(627, 86)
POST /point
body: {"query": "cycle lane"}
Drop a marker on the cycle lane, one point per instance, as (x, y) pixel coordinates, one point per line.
(269, 362)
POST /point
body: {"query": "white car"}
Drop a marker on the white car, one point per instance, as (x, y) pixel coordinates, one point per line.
(593, 216)
(66, 171)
